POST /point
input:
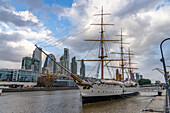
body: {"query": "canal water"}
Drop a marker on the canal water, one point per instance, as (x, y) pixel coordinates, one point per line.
(68, 101)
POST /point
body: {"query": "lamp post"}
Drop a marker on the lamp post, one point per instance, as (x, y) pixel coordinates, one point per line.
(166, 78)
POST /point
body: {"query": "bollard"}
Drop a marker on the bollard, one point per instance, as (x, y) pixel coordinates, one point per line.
(159, 93)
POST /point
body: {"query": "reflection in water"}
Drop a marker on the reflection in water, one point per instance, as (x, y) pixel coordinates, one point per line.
(67, 101)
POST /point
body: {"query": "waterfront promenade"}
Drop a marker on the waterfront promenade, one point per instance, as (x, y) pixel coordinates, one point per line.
(157, 104)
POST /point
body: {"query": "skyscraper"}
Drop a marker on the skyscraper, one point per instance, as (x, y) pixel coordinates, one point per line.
(82, 70)
(29, 63)
(137, 77)
(26, 63)
(132, 77)
(64, 61)
(49, 64)
(37, 54)
(74, 66)
(141, 77)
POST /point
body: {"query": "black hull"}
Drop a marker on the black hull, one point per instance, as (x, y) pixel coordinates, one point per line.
(92, 99)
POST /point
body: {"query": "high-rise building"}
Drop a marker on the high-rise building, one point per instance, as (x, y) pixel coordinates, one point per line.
(64, 61)
(49, 64)
(29, 63)
(141, 77)
(37, 54)
(74, 66)
(36, 65)
(26, 63)
(132, 77)
(82, 70)
(137, 77)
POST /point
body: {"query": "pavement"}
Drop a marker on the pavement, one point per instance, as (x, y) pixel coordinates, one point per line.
(157, 105)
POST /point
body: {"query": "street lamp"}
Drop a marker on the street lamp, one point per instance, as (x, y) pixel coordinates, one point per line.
(166, 78)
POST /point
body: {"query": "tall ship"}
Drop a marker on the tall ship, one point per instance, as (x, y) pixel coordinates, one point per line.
(105, 89)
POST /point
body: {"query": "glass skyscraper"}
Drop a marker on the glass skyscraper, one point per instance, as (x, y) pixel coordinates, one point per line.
(50, 64)
(74, 66)
(37, 54)
(29, 63)
(64, 61)
(82, 70)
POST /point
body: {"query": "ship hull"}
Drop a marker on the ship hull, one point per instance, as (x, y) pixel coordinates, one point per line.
(93, 99)
(104, 92)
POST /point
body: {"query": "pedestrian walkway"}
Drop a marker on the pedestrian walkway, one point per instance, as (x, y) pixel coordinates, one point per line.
(157, 105)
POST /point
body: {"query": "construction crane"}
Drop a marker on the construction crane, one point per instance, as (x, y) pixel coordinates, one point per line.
(50, 79)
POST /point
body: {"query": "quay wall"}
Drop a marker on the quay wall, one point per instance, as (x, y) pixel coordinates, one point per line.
(37, 89)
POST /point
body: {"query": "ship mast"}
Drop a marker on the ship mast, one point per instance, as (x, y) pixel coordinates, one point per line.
(122, 53)
(130, 68)
(130, 64)
(122, 65)
(102, 41)
(102, 52)
(102, 56)
(122, 58)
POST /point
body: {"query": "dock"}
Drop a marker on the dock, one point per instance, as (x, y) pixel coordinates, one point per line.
(157, 105)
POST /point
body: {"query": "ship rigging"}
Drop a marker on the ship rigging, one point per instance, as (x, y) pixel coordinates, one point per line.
(103, 89)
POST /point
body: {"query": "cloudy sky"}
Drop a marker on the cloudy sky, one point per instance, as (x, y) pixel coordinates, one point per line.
(55, 24)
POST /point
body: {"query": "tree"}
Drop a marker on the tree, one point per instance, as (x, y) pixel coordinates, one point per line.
(144, 81)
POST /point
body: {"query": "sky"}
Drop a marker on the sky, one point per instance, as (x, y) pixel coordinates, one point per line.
(56, 24)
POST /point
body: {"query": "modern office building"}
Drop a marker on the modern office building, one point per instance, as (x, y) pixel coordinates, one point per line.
(74, 66)
(132, 77)
(26, 63)
(49, 64)
(64, 61)
(29, 63)
(37, 54)
(18, 75)
(137, 77)
(82, 70)
(141, 77)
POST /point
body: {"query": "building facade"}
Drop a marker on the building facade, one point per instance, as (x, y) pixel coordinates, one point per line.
(64, 61)
(132, 77)
(37, 54)
(26, 63)
(82, 70)
(141, 77)
(74, 66)
(29, 63)
(137, 77)
(18, 75)
(50, 65)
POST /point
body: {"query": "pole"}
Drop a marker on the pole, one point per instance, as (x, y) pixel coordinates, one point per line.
(165, 75)
(102, 52)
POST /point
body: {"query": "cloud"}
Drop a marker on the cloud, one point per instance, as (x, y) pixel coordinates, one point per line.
(19, 31)
(40, 6)
(19, 19)
(13, 47)
(145, 25)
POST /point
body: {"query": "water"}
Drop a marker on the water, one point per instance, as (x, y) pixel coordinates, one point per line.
(68, 101)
